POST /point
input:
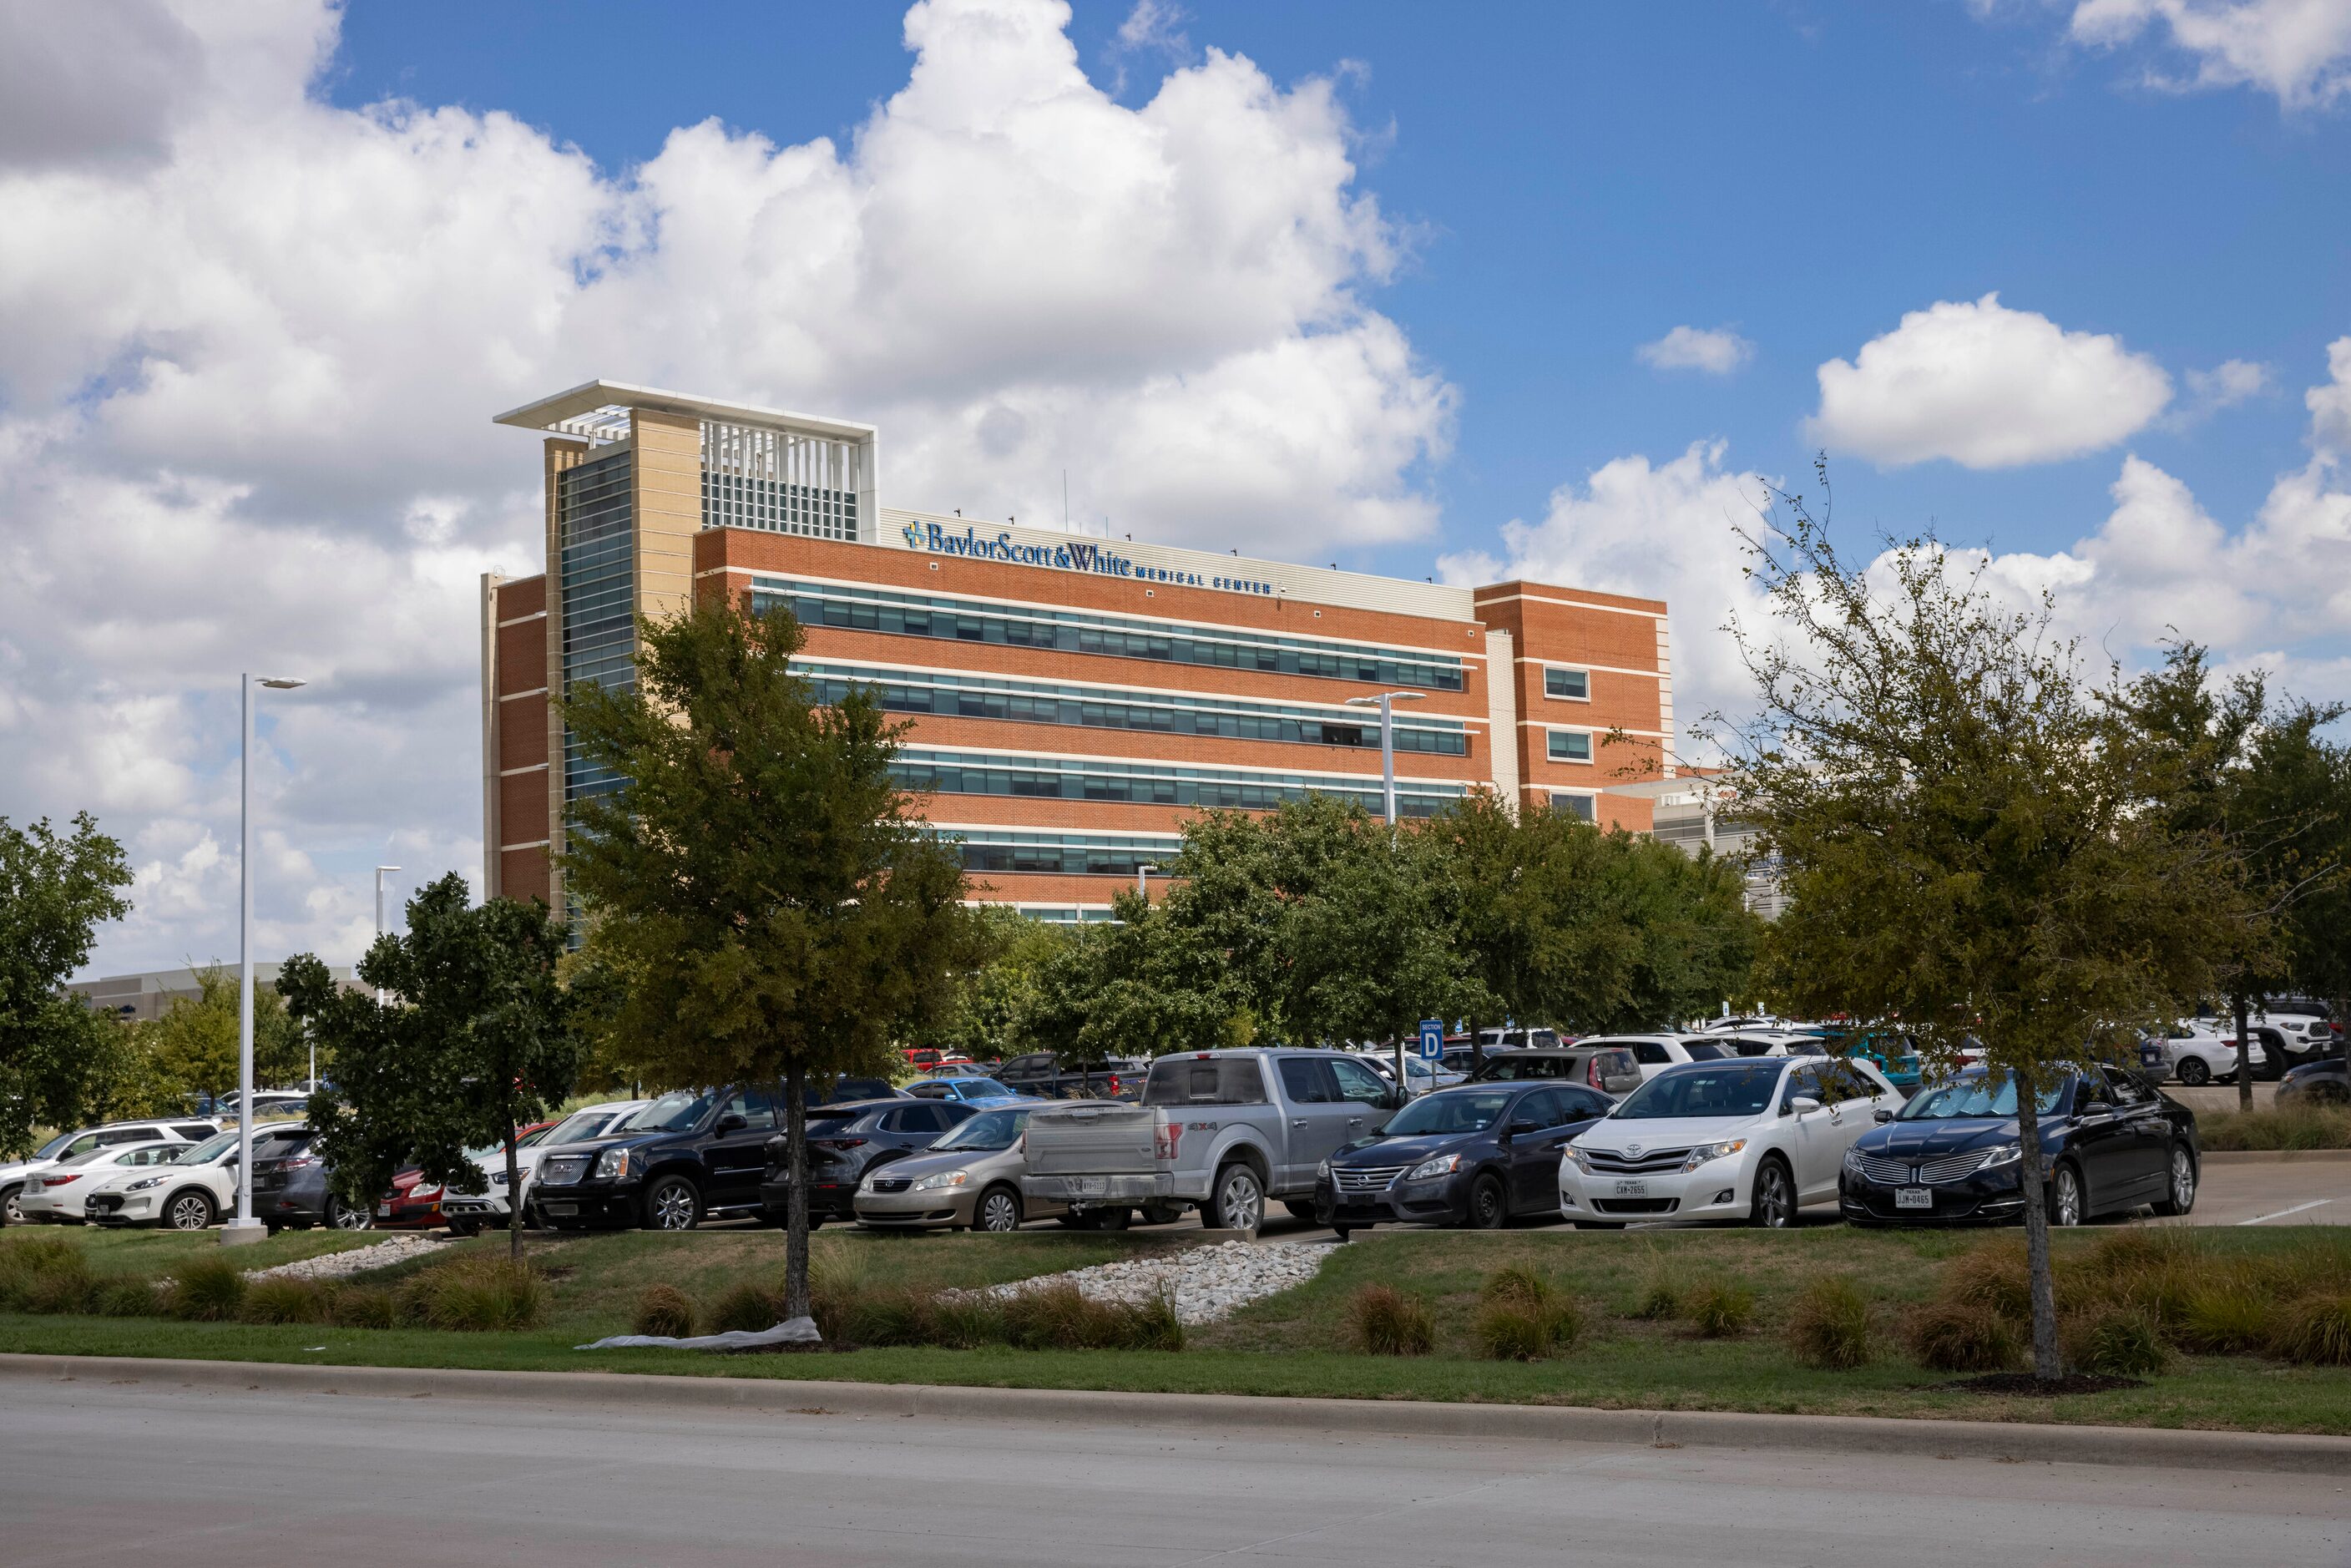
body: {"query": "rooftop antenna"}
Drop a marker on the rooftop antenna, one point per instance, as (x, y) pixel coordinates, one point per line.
(1065, 500)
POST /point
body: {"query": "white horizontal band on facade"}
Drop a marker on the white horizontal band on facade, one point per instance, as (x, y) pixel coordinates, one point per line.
(534, 844)
(1420, 650)
(518, 697)
(1012, 759)
(1570, 603)
(1597, 670)
(1592, 728)
(534, 768)
(521, 620)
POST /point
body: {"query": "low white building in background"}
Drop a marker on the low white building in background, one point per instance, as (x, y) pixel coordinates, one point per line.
(1698, 812)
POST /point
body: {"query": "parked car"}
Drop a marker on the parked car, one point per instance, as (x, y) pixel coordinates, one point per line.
(1419, 1077)
(267, 1103)
(410, 1204)
(2193, 1052)
(1769, 1042)
(844, 1089)
(58, 1195)
(2284, 1041)
(1655, 1053)
(1221, 1131)
(969, 1179)
(1754, 1139)
(587, 1123)
(1479, 1154)
(1042, 1075)
(1894, 1053)
(66, 1146)
(2326, 1081)
(1519, 1038)
(470, 1212)
(691, 1154)
(1611, 1068)
(846, 1142)
(2111, 1141)
(197, 1188)
(290, 1187)
(971, 1091)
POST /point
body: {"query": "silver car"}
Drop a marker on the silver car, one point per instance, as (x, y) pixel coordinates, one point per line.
(969, 1179)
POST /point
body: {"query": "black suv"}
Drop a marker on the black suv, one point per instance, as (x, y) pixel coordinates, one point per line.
(690, 1154)
(846, 1142)
(1040, 1075)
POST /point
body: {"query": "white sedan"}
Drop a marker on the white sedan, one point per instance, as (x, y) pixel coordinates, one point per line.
(1755, 1139)
(2195, 1052)
(58, 1195)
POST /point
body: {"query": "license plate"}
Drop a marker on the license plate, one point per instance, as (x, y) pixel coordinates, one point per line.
(1089, 1186)
(564, 1209)
(1632, 1189)
(383, 1211)
(1913, 1198)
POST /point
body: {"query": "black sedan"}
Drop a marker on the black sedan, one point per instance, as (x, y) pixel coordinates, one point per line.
(1952, 1156)
(844, 1141)
(1471, 1154)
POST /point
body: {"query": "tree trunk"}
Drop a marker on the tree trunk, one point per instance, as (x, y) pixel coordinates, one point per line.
(796, 1215)
(1476, 1048)
(514, 1198)
(2245, 1055)
(2047, 1362)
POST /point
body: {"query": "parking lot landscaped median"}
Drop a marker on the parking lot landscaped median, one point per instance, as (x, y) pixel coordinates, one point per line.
(1686, 1354)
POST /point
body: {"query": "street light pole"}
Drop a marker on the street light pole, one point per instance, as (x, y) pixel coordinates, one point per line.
(1386, 702)
(245, 1227)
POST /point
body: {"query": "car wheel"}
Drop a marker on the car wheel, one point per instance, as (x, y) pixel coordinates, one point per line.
(672, 1204)
(2195, 1071)
(348, 1216)
(1340, 1231)
(465, 1227)
(999, 1210)
(1489, 1205)
(1774, 1208)
(1304, 1211)
(2179, 1196)
(188, 1211)
(1237, 1201)
(2066, 1206)
(9, 1212)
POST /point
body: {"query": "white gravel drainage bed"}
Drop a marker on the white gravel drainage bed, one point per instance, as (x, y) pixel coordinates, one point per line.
(358, 1260)
(1207, 1283)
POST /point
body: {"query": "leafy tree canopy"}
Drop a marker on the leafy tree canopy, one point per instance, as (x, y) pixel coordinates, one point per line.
(55, 892)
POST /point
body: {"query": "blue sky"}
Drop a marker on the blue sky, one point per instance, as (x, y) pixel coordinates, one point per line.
(1579, 179)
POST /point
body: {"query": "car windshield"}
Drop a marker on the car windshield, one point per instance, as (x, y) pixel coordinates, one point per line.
(1742, 1089)
(677, 1112)
(988, 1132)
(1972, 1095)
(54, 1147)
(209, 1150)
(1448, 1111)
(582, 1124)
(1704, 1050)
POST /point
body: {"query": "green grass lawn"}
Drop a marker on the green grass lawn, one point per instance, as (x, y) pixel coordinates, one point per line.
(1291, 1343)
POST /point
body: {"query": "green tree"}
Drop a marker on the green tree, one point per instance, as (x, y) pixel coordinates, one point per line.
(53, 893)
(1136, 985)
(1973, 838)
(196, 1041)
(991, 998)
(762, 886)
(479, 1037)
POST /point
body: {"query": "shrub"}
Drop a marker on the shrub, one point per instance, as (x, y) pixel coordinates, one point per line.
(481, 1293)
(1959, 1336)
(123, 1297)
(284, 1298)
(1059, 1317)
(1517, 1285)
(27, 1259)
(2290, 1127)
(749, 1306)
(2116, 1341)
(836, 1267)
(2228, 1317)
(1664, 1290)
(63, 1283)
(1154, 1325)
(1384, 1321)
(1993, 1278)
(966, 1320)
(663, 1310)
(206, 1289)
(899, 1316)
(1830, 1326)
(363, 1307)
(1511, 1328)
(1719, 1310)
(2315, 1330)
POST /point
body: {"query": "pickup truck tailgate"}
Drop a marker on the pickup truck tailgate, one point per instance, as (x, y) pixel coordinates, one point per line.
(1093, 1137)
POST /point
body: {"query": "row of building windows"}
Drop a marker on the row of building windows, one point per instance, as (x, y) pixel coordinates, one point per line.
(1068, 854)
(1083, 632)
(1090, 707)
(1085, 779)
(1570, 745)
(594, 521)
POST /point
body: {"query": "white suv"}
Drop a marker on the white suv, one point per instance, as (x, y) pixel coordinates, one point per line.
(1754, 1139)
(66, 1146)
(193, 1190)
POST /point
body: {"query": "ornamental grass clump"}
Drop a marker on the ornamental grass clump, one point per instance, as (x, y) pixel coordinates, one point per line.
(27, 1261)
(2225, 1317)
(1719, 1310)
(65, 1284)
(284, 1298)
(1956, 1334)
(363, 1306)
(1522, 1317)
(2115, 1341)
(1829, 1328)
(664, 1311)
(2286, 1127)
(2315, 1331)
(1060, 1316)
(483, 1293)
(1384, 1321)
(754, 1306)
(127, 1297)
(206, 1289)
(1665, 1287)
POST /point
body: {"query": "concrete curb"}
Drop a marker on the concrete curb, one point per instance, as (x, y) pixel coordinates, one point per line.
(2274, 1156)
(2017, 1441)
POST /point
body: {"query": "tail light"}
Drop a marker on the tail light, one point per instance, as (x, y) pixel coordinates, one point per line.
(836, 1143)
(1114, 1086)
(60, 1181)
(1592, 1071)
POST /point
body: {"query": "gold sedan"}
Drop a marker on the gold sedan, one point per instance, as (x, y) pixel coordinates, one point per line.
(969, 1180)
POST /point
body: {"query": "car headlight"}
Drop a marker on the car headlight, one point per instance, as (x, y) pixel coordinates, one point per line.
(497, 1178)
(1852, 1158)
(1583, 1161)
(935, 1180)
(2006, 1155)
(612, 1163)
(1443, 1164)
(1705, 1151)
(143, 1184)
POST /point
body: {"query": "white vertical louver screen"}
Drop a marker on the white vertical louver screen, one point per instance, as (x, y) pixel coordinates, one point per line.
(783, 483)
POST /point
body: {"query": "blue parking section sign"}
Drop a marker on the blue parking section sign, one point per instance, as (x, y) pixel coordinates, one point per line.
(1432, 1039)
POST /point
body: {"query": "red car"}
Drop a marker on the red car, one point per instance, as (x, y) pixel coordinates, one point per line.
(412, 1204)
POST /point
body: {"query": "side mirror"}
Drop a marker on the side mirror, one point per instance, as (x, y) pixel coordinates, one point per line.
(1391, 1099)
(1805, 1104)
(731, 1123)
(1881, 1114)
(1522, 1129)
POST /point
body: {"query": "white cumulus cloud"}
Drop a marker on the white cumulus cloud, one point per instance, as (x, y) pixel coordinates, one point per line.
(250, 343)
(1716, 350)
(1986, 387)
(2297, 51)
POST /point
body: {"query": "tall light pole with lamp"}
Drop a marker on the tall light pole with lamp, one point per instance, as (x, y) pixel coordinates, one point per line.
(1386, 702)
(245, 1227)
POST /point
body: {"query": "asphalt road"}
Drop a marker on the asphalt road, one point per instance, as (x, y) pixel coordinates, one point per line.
(108, 1473)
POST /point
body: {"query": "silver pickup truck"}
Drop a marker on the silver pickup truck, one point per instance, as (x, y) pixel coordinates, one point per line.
(1220, 1131)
